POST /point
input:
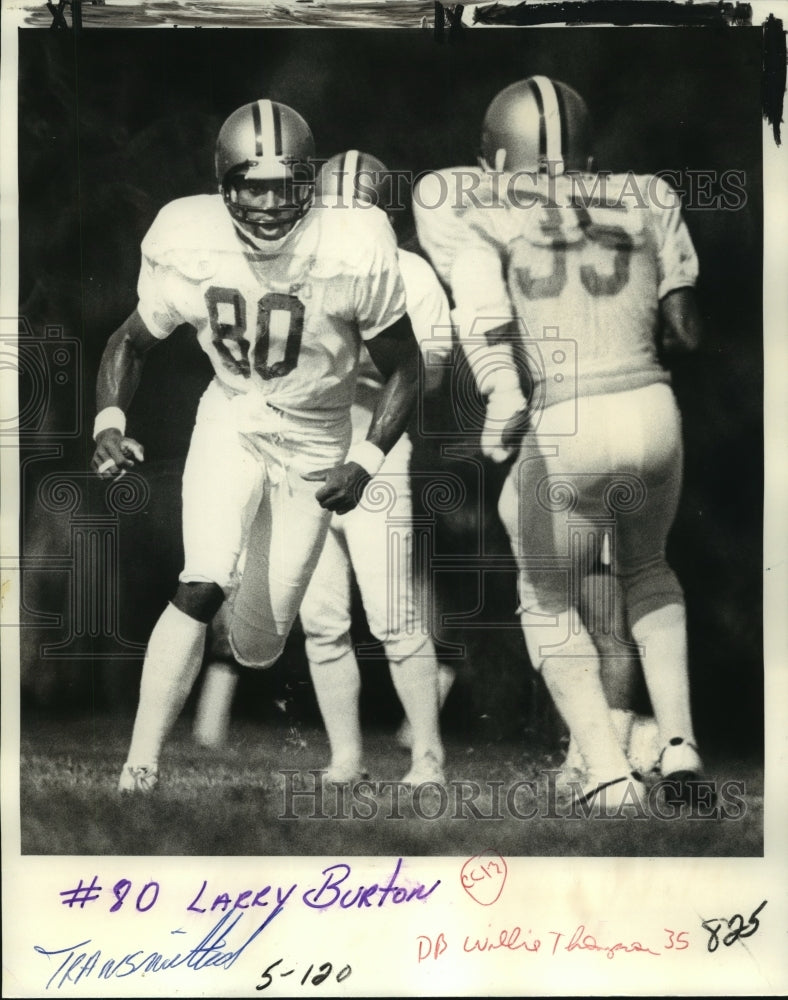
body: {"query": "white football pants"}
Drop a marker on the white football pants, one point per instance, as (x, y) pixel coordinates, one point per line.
(242, 485)
(620, 476)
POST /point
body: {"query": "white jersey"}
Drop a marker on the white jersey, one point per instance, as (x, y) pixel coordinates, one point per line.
(583, 273)
(441, 199)
(284, 326)
(429, 314)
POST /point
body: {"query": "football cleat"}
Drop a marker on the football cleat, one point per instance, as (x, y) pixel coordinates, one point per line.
(639, 738)
(680, 760)
(680, 766)
(138, 779)
(608, 797)
(643, 748)
(574, 766)
(265, 170)
(425, 768)
(537, 126)
(345, 773)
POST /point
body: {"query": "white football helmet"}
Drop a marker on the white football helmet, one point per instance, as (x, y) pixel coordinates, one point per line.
(354, 178)
(265, 169)
(537, 126)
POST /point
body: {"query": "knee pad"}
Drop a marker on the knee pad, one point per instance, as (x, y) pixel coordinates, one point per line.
(200, 600)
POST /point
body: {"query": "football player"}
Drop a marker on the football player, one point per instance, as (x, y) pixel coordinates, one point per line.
(565, 282)
(441, 200)
(280, 297)
(375, 541)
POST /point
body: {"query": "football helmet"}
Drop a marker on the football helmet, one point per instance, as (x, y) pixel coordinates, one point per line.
(265, 169)
(355, 178)
(536, 125)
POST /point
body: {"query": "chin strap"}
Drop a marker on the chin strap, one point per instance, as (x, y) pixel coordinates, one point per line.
(256, 243)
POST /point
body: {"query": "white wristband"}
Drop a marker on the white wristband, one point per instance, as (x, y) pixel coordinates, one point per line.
(110, 416)
(367, 455)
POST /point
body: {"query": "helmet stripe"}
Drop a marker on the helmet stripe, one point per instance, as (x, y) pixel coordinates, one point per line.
(351, 166)
(277, 128)
(551, 118)
(563, 119)
(268, 128)
(340, 175)
(537, 94)
(258, 128)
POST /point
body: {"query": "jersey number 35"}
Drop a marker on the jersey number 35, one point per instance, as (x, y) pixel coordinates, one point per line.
(550, 286)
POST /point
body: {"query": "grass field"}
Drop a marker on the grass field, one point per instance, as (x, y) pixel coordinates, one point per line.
(232, 802)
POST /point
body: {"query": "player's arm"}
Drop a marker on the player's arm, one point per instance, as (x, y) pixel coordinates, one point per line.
(395, 353)
(680, 321)
(119, 375)
(678, 273)
(489, 334)
(431, 318)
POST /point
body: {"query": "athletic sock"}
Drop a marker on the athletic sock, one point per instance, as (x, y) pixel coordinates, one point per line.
(575, 685)
(172, 662)
(577, 692)
(337, 687)
(663, 636)
(446, 676)
(623, 719)
(212, 716)
(416, 682)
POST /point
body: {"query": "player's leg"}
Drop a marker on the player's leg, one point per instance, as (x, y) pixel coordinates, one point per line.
(220, 680)
(602, 609)
(654, 596)
(172, 662)
(325, 619)
(426, 596)
(446, 678)
(558, 643)
(283, 548)
(380, 540)
(221, 489)
(285, 539)
(622, 679)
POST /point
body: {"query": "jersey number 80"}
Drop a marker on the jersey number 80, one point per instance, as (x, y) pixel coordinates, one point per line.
(236, 332)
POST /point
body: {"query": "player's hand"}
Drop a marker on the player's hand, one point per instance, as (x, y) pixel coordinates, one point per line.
(515, 429)
(115, 453)
(344, 485)
(506, 423)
